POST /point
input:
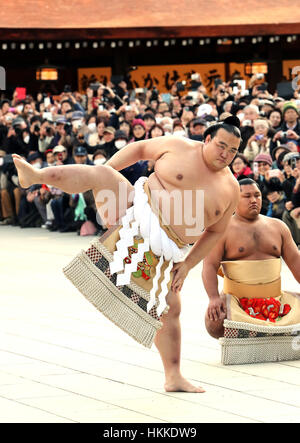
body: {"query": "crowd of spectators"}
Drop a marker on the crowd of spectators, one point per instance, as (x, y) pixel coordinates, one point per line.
(89, 128)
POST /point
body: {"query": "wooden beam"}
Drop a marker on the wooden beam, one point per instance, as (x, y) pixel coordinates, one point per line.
(151, 32)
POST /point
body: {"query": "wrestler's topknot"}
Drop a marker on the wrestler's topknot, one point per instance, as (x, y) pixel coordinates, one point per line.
(229, 122)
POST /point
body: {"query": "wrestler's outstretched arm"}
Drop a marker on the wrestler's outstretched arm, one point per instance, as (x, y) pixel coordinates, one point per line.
(290, 252)
(150, 149)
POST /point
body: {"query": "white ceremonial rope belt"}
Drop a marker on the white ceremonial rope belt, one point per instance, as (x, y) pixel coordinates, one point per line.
(141, 220)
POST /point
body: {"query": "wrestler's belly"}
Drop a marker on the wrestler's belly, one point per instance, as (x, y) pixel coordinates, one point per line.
(179, 210)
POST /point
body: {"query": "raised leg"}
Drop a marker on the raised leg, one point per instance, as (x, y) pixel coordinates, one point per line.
(112, 192)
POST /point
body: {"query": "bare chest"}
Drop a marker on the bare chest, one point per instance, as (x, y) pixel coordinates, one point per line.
(193, 186)
(252, 243)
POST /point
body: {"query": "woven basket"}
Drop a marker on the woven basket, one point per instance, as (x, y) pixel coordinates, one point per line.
(125, 306)
(247, 343)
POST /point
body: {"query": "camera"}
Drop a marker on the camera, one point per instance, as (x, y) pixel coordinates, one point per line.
(218, 82)
(36, 128)
(18, 130)
(68, 128)
(284, 134)
(67, 89)
(49, 131)
(293, 162)
(180, 86)
(106, 92)
(262, 87)
(155, 94)
(195, 82)
(195, 76)
(95, 87)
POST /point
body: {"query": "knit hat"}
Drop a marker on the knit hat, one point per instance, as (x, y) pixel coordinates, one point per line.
(289, 105)
(138, 121)
(266, 158)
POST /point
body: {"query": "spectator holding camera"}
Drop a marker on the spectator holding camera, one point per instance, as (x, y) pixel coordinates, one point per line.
(34, 132)
(290, 128)
(46, 135)
(259, 142)
(14, 142)
(59, 132)
(251, 113)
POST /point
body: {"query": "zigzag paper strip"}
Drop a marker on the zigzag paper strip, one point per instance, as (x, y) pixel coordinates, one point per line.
(152, 300)
(126, 240)
(164, 290)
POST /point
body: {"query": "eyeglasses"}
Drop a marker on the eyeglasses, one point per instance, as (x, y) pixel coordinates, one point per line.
(238, 163)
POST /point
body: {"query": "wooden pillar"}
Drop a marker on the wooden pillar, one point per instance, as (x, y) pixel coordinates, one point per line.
(274, 66)
(120, 61)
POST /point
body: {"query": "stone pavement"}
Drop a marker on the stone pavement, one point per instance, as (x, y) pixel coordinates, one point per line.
(61, 361)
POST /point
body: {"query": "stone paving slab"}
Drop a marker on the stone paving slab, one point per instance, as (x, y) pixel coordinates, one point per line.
(62, 362)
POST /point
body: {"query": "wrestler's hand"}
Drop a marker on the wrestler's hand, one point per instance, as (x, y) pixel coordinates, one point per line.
(216, 309)
(180, 271)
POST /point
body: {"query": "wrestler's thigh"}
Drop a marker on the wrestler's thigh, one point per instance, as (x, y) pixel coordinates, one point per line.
(113, 194)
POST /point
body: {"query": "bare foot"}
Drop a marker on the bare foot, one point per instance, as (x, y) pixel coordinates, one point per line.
(27, 174)
(180, 384)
